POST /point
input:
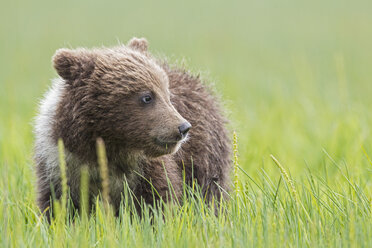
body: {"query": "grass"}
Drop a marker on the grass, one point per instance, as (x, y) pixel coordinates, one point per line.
(295, 77)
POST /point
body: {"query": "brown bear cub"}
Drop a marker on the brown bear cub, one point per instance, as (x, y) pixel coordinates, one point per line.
(155, 120)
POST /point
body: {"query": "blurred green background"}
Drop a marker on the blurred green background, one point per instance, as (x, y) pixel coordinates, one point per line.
(295, 75)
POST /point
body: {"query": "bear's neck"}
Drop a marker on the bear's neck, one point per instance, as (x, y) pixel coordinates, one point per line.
(127, 162)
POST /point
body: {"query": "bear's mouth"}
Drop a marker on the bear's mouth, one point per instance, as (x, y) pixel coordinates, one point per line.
(166, 143)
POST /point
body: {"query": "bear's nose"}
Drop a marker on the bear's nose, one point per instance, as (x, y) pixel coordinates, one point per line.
(184, 128)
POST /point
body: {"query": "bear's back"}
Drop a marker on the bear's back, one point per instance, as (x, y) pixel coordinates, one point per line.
(207, 154)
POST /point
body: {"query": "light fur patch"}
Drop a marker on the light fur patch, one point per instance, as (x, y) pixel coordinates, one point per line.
(45, 147)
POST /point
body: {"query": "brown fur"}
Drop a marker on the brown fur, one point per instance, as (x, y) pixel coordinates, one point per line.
(101, 98)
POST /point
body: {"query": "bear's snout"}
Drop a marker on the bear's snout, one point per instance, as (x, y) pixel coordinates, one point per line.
(184, 128)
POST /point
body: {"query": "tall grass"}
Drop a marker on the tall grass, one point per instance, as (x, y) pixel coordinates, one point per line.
(265, 212)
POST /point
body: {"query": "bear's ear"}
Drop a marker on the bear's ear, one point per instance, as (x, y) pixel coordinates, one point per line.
(139, 44)
(73, 64)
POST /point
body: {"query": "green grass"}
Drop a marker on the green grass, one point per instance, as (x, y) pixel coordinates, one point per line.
(295, 76)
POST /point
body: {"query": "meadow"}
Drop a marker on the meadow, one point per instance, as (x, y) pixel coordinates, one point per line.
(296, 81)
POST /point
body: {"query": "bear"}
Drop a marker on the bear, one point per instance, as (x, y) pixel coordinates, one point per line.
(159, 123)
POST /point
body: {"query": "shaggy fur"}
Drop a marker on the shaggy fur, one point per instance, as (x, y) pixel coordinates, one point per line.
(100, 93)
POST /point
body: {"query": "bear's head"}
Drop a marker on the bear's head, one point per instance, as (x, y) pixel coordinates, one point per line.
(120, 94)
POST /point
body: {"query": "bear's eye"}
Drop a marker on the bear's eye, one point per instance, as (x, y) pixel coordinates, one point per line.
(146, 99)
